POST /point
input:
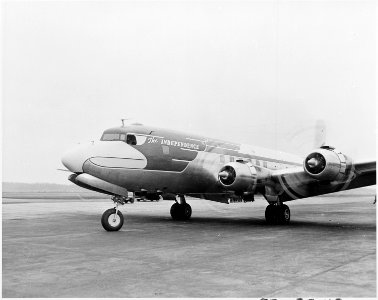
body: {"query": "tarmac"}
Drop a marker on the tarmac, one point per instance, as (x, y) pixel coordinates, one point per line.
(58, 248)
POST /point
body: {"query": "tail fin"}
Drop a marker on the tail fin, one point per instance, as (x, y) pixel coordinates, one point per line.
(320, 133)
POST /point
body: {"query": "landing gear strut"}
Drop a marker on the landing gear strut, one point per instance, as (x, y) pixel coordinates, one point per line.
(277, 214)
(181, 211)
(112, 219)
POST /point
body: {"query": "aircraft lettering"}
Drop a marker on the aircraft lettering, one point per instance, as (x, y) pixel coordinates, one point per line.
(180, 144)
(152, 140)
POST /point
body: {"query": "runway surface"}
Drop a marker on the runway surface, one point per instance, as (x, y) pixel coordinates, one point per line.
(58, 248)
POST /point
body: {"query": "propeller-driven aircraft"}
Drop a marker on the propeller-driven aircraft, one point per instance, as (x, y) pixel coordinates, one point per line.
(153, 163)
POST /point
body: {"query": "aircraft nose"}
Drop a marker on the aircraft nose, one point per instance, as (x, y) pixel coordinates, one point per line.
(74, 159)
(106, 154)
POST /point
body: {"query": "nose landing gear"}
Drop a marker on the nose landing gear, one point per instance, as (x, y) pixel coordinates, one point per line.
(112, 219)
(181, 211)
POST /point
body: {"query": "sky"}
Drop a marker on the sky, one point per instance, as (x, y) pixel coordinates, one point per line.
(256, 72)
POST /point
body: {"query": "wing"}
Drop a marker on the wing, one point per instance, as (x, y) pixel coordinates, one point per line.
(296, 183)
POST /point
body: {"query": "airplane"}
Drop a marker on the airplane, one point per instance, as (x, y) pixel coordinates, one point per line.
(152, 163)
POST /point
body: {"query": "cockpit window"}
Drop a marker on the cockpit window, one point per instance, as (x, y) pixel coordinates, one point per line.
(141, 139)
(130, 139)
(112, 137)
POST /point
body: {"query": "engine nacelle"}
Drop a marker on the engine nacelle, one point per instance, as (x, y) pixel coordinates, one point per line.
(95, 184)
(238, 177)
(327, 163)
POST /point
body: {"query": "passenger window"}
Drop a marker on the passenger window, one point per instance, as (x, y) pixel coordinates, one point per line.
(257, 162)
(265, 164)
(232, 159)
(221, 158)
(165, 149)
(131, 139)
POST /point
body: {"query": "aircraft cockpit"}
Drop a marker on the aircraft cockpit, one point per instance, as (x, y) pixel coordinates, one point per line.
(131, 139)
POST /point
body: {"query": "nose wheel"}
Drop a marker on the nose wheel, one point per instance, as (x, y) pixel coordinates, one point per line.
(181, 211)
(277, 214)
(112, 219)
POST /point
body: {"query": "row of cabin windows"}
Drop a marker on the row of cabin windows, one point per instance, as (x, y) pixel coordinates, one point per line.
(132, 139)
(253, 161)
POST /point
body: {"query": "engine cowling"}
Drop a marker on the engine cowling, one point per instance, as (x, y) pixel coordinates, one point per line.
(238, 177)
(326, 163)
(95, 184)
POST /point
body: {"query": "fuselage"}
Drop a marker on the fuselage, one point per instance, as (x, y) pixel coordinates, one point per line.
(138, 157)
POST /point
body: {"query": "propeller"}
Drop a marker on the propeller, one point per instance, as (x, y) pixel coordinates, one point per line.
(315, 163)
(224, 175)
(227, 175)
(312, 163)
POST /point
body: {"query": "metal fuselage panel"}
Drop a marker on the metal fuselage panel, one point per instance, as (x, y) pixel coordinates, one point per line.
(182, 163)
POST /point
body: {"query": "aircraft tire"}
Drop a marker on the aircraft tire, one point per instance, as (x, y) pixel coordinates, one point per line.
(283, 214)
(181, 211)
(271, 214)
(176, 211)
(186, 211)
(108, 222)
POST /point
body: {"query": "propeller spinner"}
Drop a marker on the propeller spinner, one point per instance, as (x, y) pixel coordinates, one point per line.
(227, 175)
(315, 163)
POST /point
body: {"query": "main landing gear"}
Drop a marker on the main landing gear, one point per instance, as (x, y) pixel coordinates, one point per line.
(181, 211)
(112, 219)
(277, 214)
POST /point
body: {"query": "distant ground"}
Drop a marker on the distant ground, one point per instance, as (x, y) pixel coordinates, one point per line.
(13, 190)
(365, 191)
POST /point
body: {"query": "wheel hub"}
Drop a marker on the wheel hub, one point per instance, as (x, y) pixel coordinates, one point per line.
(286, 214)
(114, 220)
(186, 211)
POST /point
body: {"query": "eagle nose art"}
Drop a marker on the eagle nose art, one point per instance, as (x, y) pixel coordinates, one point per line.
(104, 154)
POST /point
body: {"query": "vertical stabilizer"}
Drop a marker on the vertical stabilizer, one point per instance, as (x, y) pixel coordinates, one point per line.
(320, 133)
